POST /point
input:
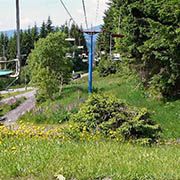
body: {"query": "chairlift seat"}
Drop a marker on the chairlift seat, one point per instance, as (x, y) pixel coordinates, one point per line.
(70, 39)
(116, 57)
(5, 72)
(80, 47)
(69, 55)
(84, 60)
(103, 52)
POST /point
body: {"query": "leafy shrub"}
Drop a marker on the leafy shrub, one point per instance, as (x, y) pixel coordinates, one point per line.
(113, 118)
(49, 67)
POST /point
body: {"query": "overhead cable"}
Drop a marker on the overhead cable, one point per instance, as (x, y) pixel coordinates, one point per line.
(63, 4)
(85, 14)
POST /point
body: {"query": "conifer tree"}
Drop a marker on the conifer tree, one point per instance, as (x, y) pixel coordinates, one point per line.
(43, 32)
(49, 27)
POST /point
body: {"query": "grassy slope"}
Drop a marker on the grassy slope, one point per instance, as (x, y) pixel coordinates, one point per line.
(125, 87)
(42, 159)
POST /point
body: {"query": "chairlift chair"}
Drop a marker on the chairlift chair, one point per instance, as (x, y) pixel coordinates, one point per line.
(116, 57)
(84, 60)
(84, 57)
(103, 52)
(10, 73)
(80, 47)
(69, 55)
(69, 39)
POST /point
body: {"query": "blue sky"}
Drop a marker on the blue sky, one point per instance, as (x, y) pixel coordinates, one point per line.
(36, 11)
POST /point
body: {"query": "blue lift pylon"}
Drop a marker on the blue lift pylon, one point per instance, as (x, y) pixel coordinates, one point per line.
(90, 59)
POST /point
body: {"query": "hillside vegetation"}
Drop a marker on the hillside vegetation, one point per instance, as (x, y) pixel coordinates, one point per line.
(129, 128)
(125, 86)
(151, 41)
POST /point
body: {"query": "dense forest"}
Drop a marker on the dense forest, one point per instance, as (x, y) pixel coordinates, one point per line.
(151, 42)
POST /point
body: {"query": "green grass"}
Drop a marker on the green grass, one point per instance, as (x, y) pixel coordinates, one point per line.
(35, 158)
(43, 159)
(127, 87)
(124, 86)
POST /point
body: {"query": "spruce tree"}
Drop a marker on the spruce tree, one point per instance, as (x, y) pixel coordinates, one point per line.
(49, 27)
(43, 32)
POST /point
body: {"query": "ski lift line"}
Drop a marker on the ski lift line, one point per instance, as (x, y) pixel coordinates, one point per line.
(18, 30)
(85, 14)
(68, 12)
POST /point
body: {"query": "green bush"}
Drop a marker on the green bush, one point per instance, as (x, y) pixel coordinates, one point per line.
(49, 67)
(113, 118)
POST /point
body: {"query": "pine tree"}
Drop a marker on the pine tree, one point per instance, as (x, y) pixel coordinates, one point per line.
(43, 32)
(35, 33)
(49, 27)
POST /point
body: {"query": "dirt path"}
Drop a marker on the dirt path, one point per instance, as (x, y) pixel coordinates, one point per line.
(12, 116)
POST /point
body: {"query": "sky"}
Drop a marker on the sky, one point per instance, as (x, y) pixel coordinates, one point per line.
(36, 11)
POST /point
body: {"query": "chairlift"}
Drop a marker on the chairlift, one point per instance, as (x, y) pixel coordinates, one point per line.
(84, 60)
(116, 57)
(84, 57)
(80, 47)
(69, 55)
(97, 59)
(10, 73)
(69, 39)
(4, 71)
(103, 52)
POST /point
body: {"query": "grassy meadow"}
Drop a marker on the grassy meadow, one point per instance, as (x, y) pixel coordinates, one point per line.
(39, 156)
(44, 159)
